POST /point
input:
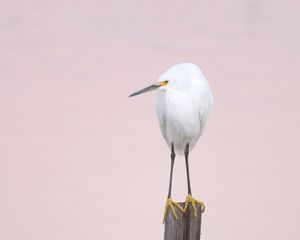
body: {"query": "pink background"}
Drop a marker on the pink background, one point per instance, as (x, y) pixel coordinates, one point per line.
(80, 160)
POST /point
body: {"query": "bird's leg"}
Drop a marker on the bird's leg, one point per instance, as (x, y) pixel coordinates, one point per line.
(173, 155)
(186, 155)
(170, 203)
(189, 198)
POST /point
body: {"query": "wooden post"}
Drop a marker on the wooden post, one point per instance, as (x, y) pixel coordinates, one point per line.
(187, 227)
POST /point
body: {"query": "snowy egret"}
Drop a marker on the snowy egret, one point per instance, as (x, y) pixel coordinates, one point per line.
(183, 102)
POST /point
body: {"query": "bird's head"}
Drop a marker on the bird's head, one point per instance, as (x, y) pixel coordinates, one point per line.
(178, 77)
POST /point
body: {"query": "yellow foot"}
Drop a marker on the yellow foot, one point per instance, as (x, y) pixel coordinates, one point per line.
(190, 199)
(172, 205)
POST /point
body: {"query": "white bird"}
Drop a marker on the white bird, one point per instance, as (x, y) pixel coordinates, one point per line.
(183, 103)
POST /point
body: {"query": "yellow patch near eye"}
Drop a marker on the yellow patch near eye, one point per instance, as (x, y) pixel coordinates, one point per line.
(163, 83)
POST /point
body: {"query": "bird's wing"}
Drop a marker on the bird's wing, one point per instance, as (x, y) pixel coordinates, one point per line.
(202, 118)
(203, 114)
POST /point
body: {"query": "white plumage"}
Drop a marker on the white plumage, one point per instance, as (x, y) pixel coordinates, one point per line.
(183, 105)
(183, 102)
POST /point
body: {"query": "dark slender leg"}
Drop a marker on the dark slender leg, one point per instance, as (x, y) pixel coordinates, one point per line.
(171, 172)
(186, 154)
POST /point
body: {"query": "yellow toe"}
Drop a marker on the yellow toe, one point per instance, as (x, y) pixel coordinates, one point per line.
(172, 205)
(194, 202)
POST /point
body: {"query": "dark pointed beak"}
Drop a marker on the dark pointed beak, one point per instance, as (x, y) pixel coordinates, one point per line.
(144, 90)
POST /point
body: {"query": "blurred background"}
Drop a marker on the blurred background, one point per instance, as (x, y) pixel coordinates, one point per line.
(80, 160)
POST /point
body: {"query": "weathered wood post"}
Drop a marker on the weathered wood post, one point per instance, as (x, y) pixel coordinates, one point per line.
(187, 227)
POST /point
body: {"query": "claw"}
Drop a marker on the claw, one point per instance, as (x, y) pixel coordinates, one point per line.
(172, 205)
(190, 199)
